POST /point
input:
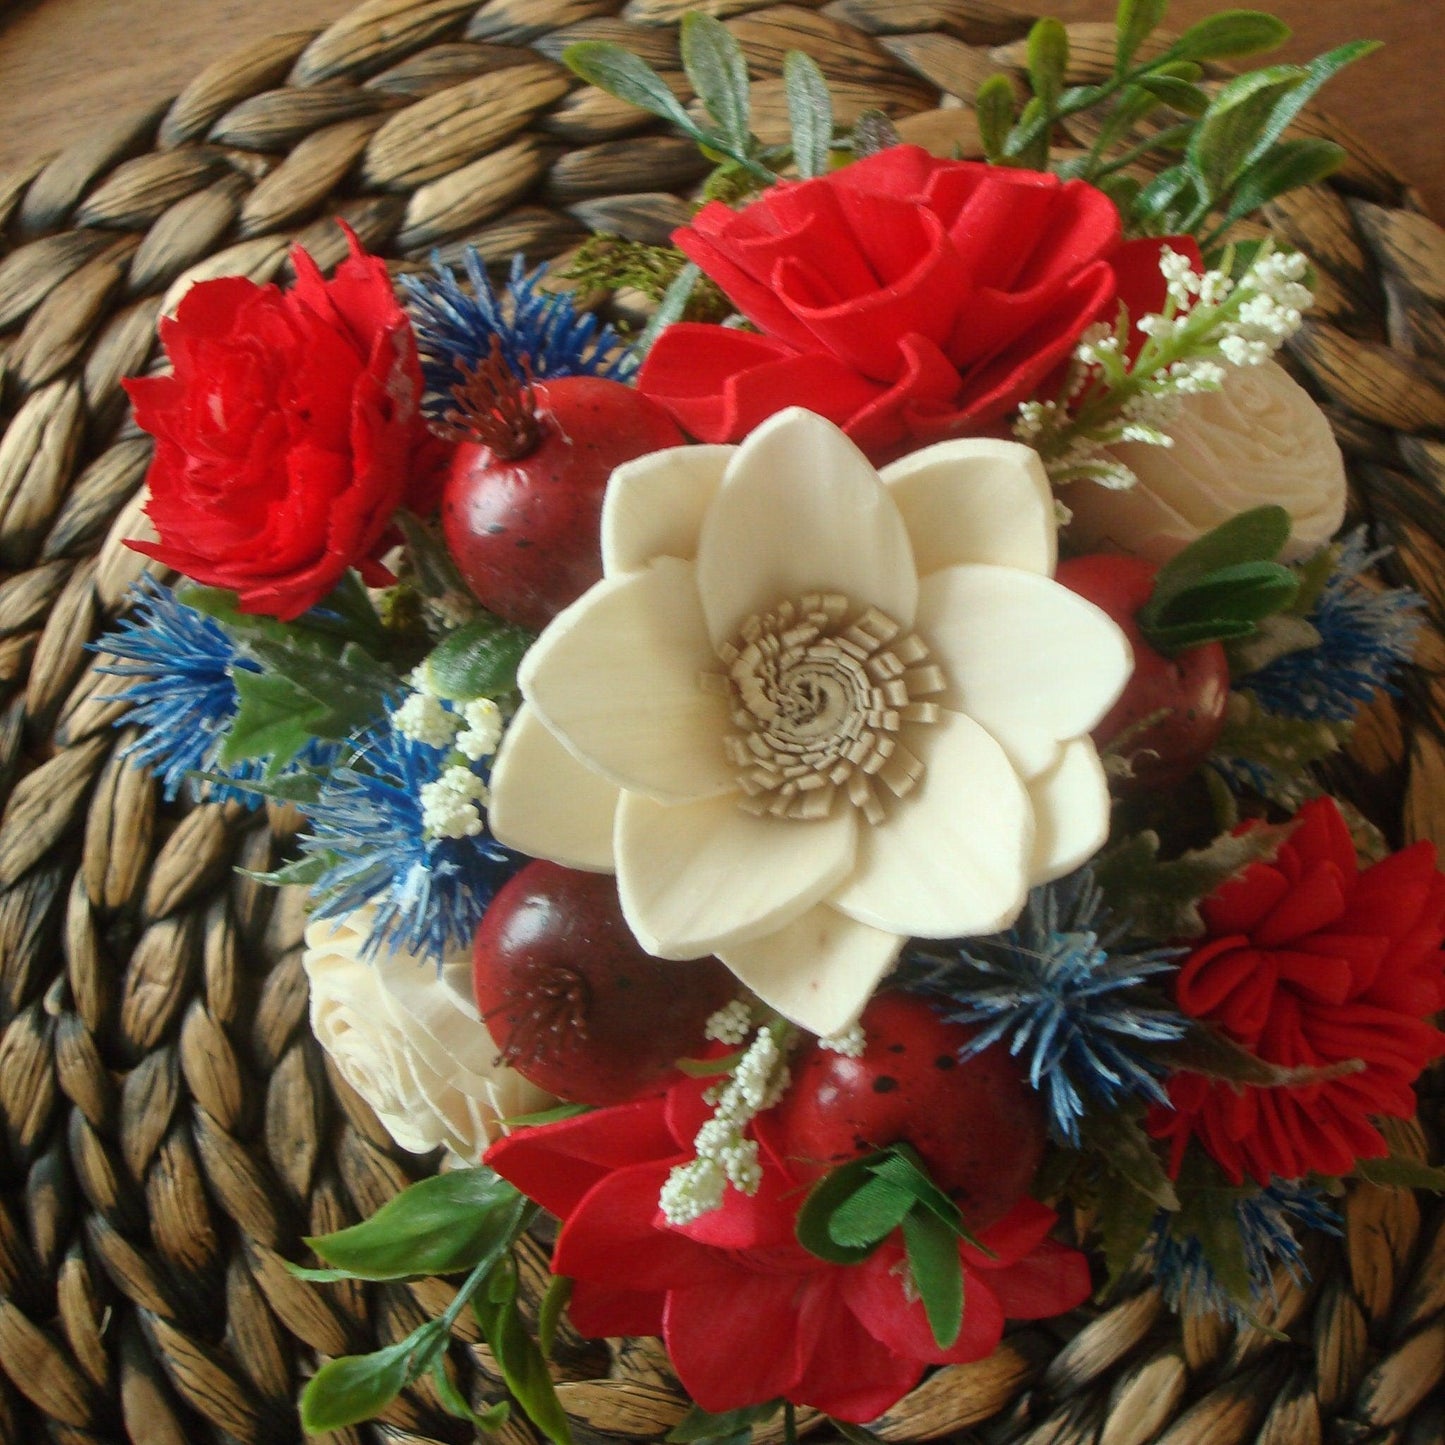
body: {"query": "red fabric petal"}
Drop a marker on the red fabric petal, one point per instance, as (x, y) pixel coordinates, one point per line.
(600, 1312)
(845, 1371)
(1050, 1281)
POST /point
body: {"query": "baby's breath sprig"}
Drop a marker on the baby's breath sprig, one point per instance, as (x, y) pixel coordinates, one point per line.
(1210, 323)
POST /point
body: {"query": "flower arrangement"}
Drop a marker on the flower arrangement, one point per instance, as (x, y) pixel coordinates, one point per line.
(821, 796)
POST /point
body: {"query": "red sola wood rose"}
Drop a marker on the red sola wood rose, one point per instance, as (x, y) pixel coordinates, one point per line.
(904, 297)
(748, 1315)
(1311, 961)
(286, 434)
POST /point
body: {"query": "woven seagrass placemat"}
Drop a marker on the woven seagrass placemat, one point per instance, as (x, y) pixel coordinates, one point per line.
(170, 1128)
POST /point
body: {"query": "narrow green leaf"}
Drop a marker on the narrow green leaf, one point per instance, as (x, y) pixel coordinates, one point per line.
(554, 1115)
(299, 788)
(455, 1403)
(1291, 164)
(1135, 21)
(441, 1225)
(902, 1167)
(699, 1424)
(1254, 536)
(869, 1215)
(1048, 59)
(1160, 195)
(301, 872)
(549, 1315)
(353, 1388)
(814, 1218)
(1179, 95)
(1224, 137)
(994, 106)
(810, 113)
(1231, 32)
(937, 1271)
(523, 1367)
(1028, 143)
(1317, 73)
(1205, 1050)
(1402, 1172)
(670, 308)
(629, 77)
(713, 62)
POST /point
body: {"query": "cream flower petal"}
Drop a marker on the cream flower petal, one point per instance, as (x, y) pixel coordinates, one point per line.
(698, 877)
(1030, 660)
(654, 506)
(615, 676)
(819, 970)
(547, 804)
(801, 510)
(1071, 812)
(976, 500)
(952, 858)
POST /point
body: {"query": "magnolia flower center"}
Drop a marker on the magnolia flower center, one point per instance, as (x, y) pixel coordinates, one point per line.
(822, 694)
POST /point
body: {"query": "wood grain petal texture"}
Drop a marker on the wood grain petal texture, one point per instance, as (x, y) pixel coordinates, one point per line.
(169, 1131)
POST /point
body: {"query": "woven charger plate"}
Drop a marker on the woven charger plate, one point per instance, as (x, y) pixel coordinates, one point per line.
(171, 1129)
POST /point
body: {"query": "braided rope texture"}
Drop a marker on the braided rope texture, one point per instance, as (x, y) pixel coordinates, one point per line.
(169, 1130)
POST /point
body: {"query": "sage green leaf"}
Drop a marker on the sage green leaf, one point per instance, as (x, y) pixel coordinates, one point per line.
(869, 1215)
(1134, 21)
(671, 307)
(1283, 744)
(994, 107)
(1231, 32)
(479, 659)
(629, 77)
(1177, 94)
(353, 1388)
(523, 1367)
(713, 62)
(1289, 165)
(1159, 196)
(441, 1225)
(937, 1272)
(434, 574)
(1048, 60)
(810, 113)
(1226, 135)
(1123, 1219)
(1317, 72)
(699, 1424)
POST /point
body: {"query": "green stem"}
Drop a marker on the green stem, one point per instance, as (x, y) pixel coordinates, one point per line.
(790, 1423)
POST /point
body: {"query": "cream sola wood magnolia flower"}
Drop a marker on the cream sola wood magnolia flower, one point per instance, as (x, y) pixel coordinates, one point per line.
(813, 710)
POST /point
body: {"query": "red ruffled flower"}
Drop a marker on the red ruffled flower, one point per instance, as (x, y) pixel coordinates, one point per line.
(1311, 962)
(904, 297)
(287, 433)
(748, 1315)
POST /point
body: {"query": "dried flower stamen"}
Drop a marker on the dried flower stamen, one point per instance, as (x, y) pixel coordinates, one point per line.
(822, 695)
(494, 406)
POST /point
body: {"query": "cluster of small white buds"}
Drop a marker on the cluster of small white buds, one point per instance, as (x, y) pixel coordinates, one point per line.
(850, 1043)
(451, 806)
(731, 1024)
(482, 731)
(724, 1156)
(424, 718)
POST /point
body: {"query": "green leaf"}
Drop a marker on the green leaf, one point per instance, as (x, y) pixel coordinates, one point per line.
(1130, 1157)
(1231, 32)
(1401, 1172)
(1283, 744)
(1178, 94)
(549, 1315)
(1028, 143)
(671, 307)
(302, 872)
(298, 788)
(440, 1225)
(479, 659)
(522, 1365)
(554, 1115)
(810, 113)
(1253, 536)
(937, 1271)
(994, 106)
(1135, 21)
(1048, 60)
(1160, 194)
(1227, 602)
(901, 1166)
(1275, 637)
(713, 62)
(699, 1424)
(824, 1198)
(629, 77)
(274, 719)
(455, 1403)
(353, 1388)
(1205, 1050)
(869, 1215)
(1220, 148)
(1207, 1214)
(1161, 899)
(1317, 73)
(1286, 167)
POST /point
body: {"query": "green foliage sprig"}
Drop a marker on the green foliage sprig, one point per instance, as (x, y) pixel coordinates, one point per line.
(1232, 159)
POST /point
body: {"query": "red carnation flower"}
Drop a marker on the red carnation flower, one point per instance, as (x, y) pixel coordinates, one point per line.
(286, 434)
(748, 1315)
(1312, 962)
(904, 297)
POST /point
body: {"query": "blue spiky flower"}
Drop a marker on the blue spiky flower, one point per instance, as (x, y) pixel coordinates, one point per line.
(369, 826)
(1065, 992)
(184, 697)
(539, 333)
(1268, 1223)
(1365, 636)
